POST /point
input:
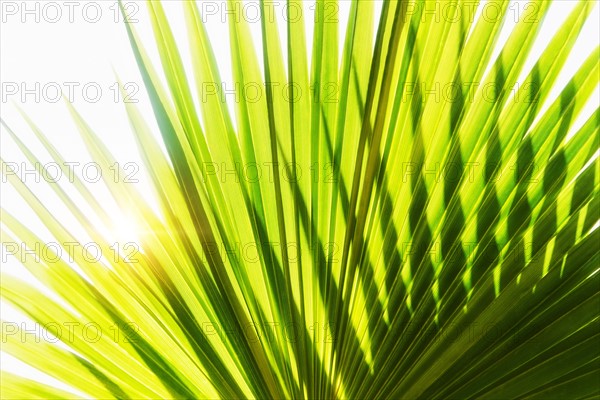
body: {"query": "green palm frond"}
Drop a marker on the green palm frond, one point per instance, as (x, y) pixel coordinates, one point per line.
(402, 223)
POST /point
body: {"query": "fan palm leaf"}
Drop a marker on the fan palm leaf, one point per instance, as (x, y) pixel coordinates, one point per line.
(401, 223)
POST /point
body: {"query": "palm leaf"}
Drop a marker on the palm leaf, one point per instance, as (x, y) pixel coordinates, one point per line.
(400, 242)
